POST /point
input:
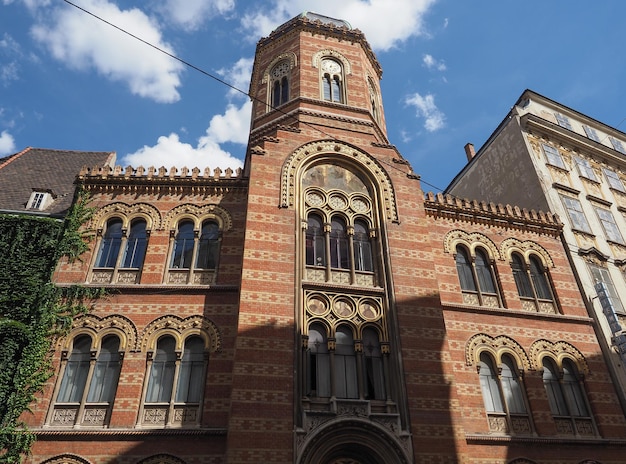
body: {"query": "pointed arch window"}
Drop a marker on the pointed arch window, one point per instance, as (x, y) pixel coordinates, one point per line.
(477, 278)
(88, 383)
(175, 385)
(332, 81)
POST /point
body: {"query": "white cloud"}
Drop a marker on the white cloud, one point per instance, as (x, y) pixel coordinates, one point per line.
(426, 108)
(384, 22)
(238, 76)
(432, 63)
(233, 126)
(7, 144)
(191, 14)
(83, 42)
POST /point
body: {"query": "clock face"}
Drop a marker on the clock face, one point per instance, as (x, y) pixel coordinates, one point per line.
(281, 69)
(331, 66)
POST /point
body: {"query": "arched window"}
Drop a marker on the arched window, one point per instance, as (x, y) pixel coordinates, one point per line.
(175, 386)
(477, 278)
(183, 246)
(135, 250)
(346, 383)
(567, 399)
(532, 283)
(208, 247)
(88, 384)
(339, 250)
(318, 362)
(315, 246)
(332, 78)
(279, 87)
(373, 366)
(504, 396)
(362, 247)
(110, 244)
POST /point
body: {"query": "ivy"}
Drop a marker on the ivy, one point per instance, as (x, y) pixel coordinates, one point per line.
(33, 310)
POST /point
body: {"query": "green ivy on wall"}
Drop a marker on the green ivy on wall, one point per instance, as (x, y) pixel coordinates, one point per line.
(33, 310)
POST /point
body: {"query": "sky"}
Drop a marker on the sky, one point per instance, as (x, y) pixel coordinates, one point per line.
(451, 72)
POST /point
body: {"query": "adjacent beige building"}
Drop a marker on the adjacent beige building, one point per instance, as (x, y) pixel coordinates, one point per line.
(545, 156)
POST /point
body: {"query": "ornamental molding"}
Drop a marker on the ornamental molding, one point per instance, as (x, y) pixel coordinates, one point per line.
(497, 346)
(66, 459)
(98, 328)
(332, 151)
(128, 212)
(526, 249)
(198, 214)
(471, 241)
(558, 351)
(291, 57)
(316, 60)
(180, 329)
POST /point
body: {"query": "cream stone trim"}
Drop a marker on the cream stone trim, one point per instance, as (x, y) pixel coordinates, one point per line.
(98, 328)
(497, 347)
(526, 249)
(66, 459)
(558, 351)
(127, 213)
(471, 242)
(198, 214)
(180, 329)
(334, 151)
(289, 56)
(328, 53)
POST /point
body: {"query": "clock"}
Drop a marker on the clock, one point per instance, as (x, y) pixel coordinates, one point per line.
(331, 66)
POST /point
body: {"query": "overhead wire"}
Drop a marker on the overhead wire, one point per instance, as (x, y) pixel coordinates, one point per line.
(221, 81)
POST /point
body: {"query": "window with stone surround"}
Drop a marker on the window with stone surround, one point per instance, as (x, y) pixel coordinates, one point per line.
(614, 180)
(609, 225)
(279, 84)
(533, 283)
(477, 277)
(566, 396)
(563, 121)
(553, 156)
(89, 378)
(332, 80)
(575, 213)
(585, 169)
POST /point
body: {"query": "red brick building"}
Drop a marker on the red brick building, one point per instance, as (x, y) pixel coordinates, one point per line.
(317, 307)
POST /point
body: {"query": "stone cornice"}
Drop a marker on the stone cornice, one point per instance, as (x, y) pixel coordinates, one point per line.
(101, 434)
(491, 214)
(476, 438)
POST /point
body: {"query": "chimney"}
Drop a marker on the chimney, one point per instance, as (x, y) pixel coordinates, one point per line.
(469, 151)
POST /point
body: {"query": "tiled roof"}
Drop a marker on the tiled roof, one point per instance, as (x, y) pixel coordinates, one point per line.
(45, 170)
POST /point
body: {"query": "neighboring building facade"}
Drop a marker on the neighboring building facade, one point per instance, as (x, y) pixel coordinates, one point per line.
(316, 307)
(549, 157)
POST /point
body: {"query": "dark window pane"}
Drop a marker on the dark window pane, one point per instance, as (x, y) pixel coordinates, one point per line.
(483, 271)
(208, 246)
(326, 87)
(336, 89)
(573, 391)
(315, 249)
(345, 365)
(489, 385)
(183, 246)
(362, 248)
(284, 90)
(110, 245)
(520, 275)
(136, 243)
(540, 280)
(558, 407)
(162, 373)
(106, 372)
(190, 379)
(76, 371)
(339, 251)
(373, 369)
(318, 369)
(511, 387)
(464, 269)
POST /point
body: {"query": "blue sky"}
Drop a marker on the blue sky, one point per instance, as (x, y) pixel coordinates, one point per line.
(451, 71)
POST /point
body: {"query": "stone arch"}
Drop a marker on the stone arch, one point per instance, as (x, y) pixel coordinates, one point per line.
(198, 214)
(66, 458)
(558, 351)
(471, 241)
(291, 57)
(354, 440)
(306, 154)
(521, 461)
(525, 248)
(128, 212)
(497, 346)
(328, 53)
(98, 328)
(180, 329)
(161, 459)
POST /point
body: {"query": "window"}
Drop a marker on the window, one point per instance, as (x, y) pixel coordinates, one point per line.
(576, 214)
(345, 364)
(175, 384)
(563, 121)
(279, 84)
(136, 244)
(584, 168)
(362, 247)
(532, 283)
(315, 249)
(618, 145)
(88, 384)
(591, 133)
(553, 156)
(318, 362)
(614, 180)
(39, 200)
(373, 367)
(503, 396)
(601, 274)
(608, 224)
(332, 88)
(110, 245)
(194, 258)
(568, 403)
(477, 278)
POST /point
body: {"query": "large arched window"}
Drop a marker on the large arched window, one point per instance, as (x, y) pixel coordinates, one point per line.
(110, 244)
(318, 362)
(175, 385)
(332, 81)
(477, 278)
(135, 250)
(88, 384)
(279, 84)
(503, 396)
(182, 255)
(532, 283)
(567, 399)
